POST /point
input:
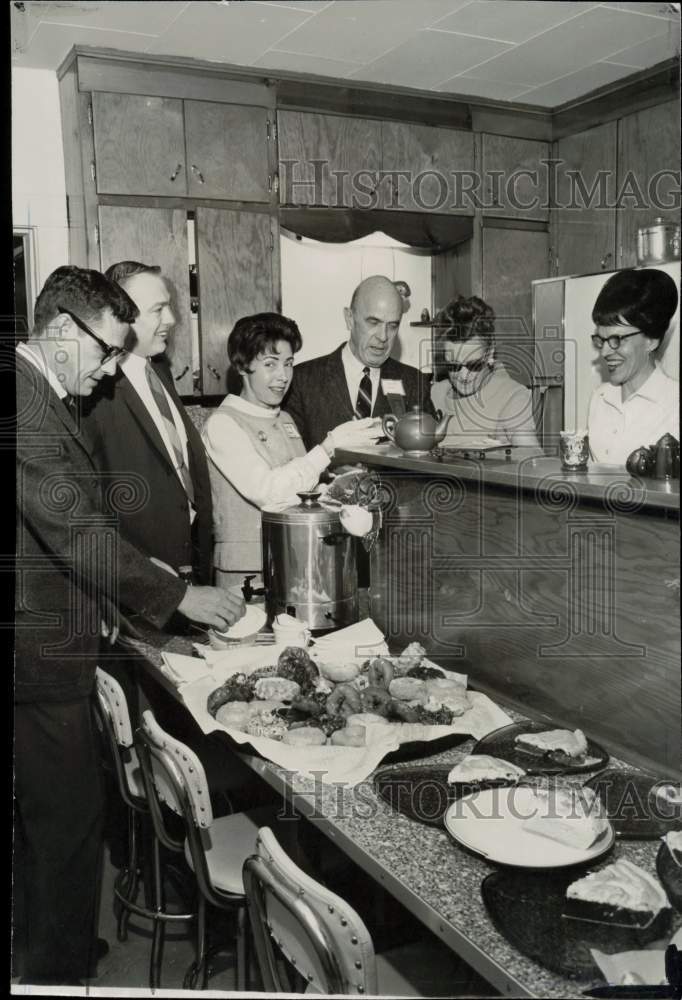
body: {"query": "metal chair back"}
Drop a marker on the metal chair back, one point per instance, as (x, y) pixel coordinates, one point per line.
(118, 732)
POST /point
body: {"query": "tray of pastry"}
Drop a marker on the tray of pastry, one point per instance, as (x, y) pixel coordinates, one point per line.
(557, 918)
(640, 807)
(539, 748)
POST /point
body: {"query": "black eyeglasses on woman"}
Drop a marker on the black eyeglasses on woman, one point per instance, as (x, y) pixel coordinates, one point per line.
(613, 341)
(109, 351)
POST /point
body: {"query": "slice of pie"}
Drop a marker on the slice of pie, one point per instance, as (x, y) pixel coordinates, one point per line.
(486, 771)
(573, 817)
(673, 841)
(621, 894)
(559, 743)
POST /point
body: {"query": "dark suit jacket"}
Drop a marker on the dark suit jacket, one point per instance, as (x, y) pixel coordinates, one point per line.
(319, 400)
(73, 568)
(127, 444)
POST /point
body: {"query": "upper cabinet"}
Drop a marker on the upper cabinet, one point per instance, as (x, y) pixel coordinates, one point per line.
(583, 212)
(648, 174)
(514, 177)
(165, 146)
(328, 160)
(426, 164)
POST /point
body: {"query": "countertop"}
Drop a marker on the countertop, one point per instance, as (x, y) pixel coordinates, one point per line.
(529, 470)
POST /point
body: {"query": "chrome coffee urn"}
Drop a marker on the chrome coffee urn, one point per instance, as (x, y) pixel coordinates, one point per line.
(310, 565)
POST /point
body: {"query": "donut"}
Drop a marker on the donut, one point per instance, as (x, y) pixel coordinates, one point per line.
(257, 707)
(306, 736)
(403, 711)
(344, 700)
(350, 736)
(380, 672)
(234, 714)
(375, 700)
(408, 689)
(366, 719)
(441, 687)
(340, 673)
(276, 688)
(266, 724)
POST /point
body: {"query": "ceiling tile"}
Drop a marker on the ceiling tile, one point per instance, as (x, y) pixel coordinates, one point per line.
(574, 85)
(429, 58)
(295, 63)
(571, 46)
(648, 53)
(310, 6)
(361, 32)
(510, 20)
(652, 9)
(238, 34)
(148, 18)
(51, 43)
(481, 88)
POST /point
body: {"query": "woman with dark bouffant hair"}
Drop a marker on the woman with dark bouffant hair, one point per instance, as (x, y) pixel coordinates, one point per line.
(483, 400)
(639, 403)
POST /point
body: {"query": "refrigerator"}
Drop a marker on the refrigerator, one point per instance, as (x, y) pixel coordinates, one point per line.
(567, 367)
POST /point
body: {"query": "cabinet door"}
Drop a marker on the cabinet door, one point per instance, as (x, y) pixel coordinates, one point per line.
(512, 259)
(328, 160)
(649, 144)
(425, 159)
(235, 267)
(583, 224)
(155, 236)
(139, 145)
(227, 151)
(514, 177)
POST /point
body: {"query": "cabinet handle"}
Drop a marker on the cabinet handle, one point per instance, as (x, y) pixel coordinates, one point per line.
(176, 171)
(198, 172)
(605, 260)
(183, 372)
(214, 371)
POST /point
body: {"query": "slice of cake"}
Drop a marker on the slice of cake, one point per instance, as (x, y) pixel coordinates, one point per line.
(673, 841)
(555, 742)
(621, 894)
(485, 771)
(573, 817)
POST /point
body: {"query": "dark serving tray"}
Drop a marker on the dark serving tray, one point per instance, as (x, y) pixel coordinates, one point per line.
(500, 743)
(526, 908)
(421, 792)
(631, 804)
(670, 874)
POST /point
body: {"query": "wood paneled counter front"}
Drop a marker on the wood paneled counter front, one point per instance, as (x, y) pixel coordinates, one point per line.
(558, 593)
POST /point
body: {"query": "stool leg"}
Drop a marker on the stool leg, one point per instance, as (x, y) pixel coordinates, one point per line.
(132, 876)
(159, 924)
(242, 931)
(198, 970)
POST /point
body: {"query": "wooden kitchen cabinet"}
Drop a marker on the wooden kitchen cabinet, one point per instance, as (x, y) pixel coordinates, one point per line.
(506, 190)
(425, 159)
(155, 236)
(512, 259)
(583, 226)
(234, 252)
(227, 151)
(139, 145)
(328, 160)
(648, 143)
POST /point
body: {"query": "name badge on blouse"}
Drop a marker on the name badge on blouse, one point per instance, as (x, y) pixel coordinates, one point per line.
(291, 430)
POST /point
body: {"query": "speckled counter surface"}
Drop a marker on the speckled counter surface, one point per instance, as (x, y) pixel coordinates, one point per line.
(435, 878)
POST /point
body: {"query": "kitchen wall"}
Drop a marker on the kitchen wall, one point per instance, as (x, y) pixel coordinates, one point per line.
(317, 305)
(38, 186)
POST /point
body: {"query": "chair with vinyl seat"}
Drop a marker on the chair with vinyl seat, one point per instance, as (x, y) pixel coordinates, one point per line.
(214, 848)
(117, 728)
(325, 944)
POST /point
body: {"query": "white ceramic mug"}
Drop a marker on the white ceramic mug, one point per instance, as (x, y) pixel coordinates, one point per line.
(289, 632)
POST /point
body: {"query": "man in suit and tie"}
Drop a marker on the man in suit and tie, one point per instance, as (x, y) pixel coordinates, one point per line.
(356, 378)
(73, 568)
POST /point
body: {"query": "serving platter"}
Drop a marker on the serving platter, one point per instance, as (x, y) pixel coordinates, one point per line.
(632, 805)
(502, 744)
(526, 908)
(421, 792)
(490, 822)
(670, 874)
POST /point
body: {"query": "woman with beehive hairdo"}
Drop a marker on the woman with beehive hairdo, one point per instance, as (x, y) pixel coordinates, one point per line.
(479, 394)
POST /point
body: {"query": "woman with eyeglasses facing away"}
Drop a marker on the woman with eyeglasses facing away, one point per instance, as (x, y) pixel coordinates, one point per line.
(637, 404)
(482, 398)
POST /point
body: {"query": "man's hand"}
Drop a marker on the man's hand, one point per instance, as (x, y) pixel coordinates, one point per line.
(109, 633)
(212, 606)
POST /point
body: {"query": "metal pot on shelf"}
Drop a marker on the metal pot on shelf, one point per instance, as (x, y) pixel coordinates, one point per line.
(659, 242)
(310, 565)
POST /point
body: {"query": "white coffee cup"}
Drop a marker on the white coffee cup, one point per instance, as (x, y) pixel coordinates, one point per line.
(289, 631)
(356, 520)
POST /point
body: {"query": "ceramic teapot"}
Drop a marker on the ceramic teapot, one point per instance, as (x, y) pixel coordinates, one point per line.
(415, 433)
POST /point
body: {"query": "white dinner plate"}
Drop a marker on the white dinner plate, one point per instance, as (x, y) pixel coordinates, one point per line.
(252, 621)
(490, 822)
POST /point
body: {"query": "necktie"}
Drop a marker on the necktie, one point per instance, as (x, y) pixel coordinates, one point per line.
(161, 400)
(363, 407)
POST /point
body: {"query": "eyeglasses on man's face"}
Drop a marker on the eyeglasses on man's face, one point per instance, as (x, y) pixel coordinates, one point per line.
(109, 351)
(476, 365)
(614, 341)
